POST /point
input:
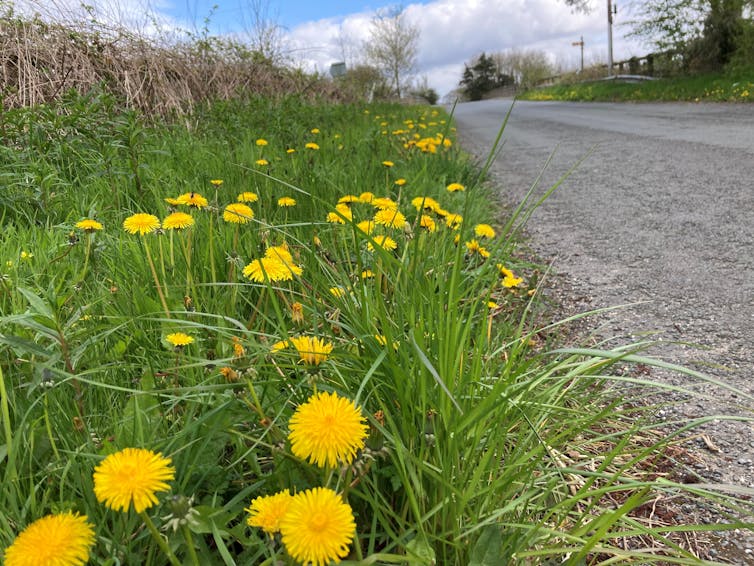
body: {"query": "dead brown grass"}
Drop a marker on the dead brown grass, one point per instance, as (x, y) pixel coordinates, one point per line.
(40, 61)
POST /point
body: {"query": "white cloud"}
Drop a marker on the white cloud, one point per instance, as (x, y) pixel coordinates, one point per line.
(456, 31)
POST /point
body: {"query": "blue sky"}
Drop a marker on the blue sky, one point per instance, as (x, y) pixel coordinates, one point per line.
(316, 33)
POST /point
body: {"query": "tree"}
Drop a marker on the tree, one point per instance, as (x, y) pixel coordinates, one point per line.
(392, 47)
(482, 77)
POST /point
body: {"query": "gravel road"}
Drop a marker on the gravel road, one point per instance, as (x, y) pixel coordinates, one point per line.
(661, 212)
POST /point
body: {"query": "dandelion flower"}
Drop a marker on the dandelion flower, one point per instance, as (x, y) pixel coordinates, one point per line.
(390, 218)
(388, 164)
(348, 199)
(367, 274)
(261, 142)
(366, 197)
(315, 130)
(385, 242)
(88, 225)
(238, 350)
(286, 201)
(455, 187)
(62, 539)
(192, 199)
(177, 221)
(311, 145)
(132, 475)
(216, 182)
(427, 203)
(343, 213)
(141, 223)
(247, 196)
(280, 253)
(318, 527)
(290, 150)
(384, 203)
(327, 430)
(297, 312)
(179, 339)
(453, 220)
(312, 351)
(262, 162)
(366, 226)
(238, 213)
(280, 345)
(267, 511)
(473, 247)
(400, 182)
(338, 292)
(270, 268)
(484, 231)
(26, 256)
(428, 223)
(509, 279)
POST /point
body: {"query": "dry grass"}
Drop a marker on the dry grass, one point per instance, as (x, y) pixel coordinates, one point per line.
(39, 61)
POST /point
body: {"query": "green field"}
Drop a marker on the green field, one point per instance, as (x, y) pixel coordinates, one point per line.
(318, 302)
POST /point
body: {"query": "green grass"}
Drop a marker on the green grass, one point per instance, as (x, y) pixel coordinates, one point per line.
(697, 88)
(487, 444)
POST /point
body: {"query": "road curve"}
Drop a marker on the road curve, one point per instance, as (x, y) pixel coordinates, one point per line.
(662, 210)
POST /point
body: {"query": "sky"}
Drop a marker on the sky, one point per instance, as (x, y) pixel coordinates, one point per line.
(313, 34)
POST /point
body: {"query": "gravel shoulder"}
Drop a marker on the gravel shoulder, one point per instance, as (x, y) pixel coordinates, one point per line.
(658, 216)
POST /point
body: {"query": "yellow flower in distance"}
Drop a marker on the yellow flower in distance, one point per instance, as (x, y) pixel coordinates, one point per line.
(88, 225)
(327, 430)
(179, 339)
(270, 268)
(315, 130)
(428, 223)
(390, 218)
(262, 162)
(400, 182)
(216, 182)
(141, 223)
(348, 199)
(427, 203)
(388, 164)
(238, 213)
(484, 231)
(318, 527)
(366, 226)
(132, 475)
(385, 242)
(455, 187)
(286, 201)
(509, 279)
(474, 247)
(192, 199)
(177, 221)
(247, 196)
(63, 539)
(266, 511)
(453, 220)
(261, 142)
(311, 145)
(343, 213)
(312, 351)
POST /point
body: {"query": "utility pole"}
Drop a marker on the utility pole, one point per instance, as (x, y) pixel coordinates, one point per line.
(580, 44)
(610, 37)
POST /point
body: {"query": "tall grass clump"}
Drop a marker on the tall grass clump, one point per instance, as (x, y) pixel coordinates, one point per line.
(300, 333)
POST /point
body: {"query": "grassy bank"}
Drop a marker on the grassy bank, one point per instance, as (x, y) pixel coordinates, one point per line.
(312, 324)
(699, 88)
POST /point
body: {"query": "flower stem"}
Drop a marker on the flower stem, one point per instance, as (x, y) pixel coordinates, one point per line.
(7, 428)
(190, 544)
(159, 540)
(156, 279)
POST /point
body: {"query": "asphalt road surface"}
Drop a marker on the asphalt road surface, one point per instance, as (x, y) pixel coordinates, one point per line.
(661, 212)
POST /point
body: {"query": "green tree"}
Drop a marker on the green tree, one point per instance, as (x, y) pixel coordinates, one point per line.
(482, 77)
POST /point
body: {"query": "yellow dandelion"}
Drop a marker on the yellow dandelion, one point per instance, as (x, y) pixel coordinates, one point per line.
(216, 182)
(455, 187)
(229, 374)
(390, 218)
(281, 253)
(238, 213)
(261, 142)
(192, 199)
(270, 268)
(474, 248)
(341, 214)
(286, 202)
(366, 197)
(492, 305)
(426, 203)
(400, 182)
(88, 225)
(388, 164)
(172, 201)
(509, 279)
(367, 274)
(141, 223)
(179, 339)
(318, 527)
(177, 221)
(385, 242)
(327, 430)
(484, 231)
(290, 150)
(366, 226)
(247, 196)
(26, 256)
(280, 345)
(266, 511)
(384, 203)
(238, 350)
(311, 145)
(312, 351)
(338, 292)
(348, 199)
(427, 223)
(315, 130)
(453, 220)
(132, 475)
(262, 162)
(62, 539)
